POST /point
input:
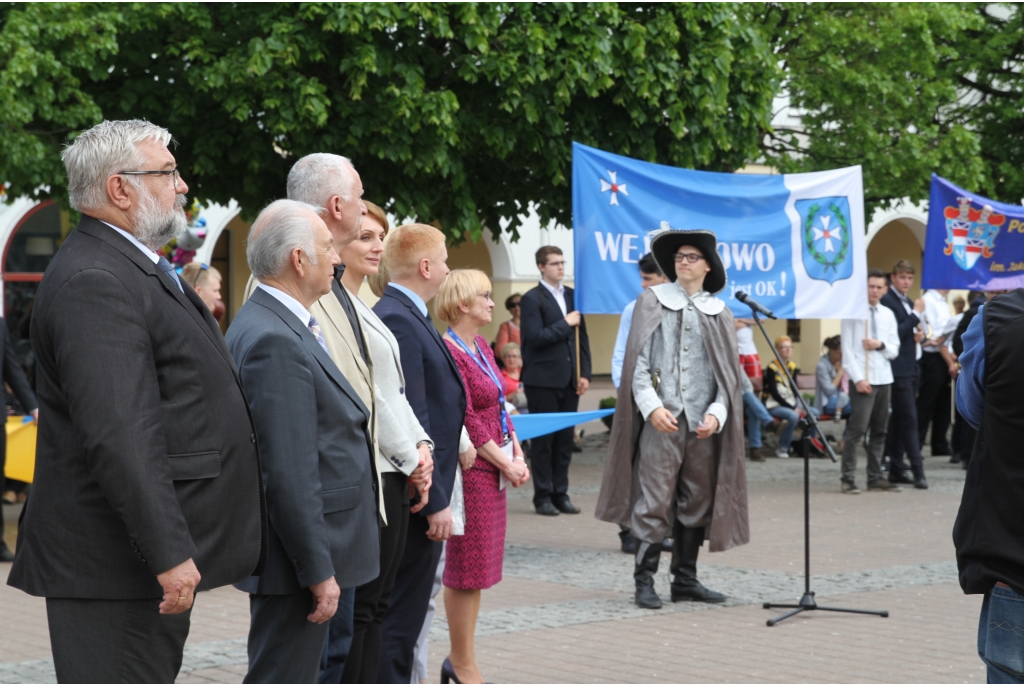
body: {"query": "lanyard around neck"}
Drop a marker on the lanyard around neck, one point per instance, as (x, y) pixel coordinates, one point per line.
(485, 366)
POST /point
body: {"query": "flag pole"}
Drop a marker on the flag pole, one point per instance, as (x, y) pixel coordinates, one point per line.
(867, 355)
(578, 354)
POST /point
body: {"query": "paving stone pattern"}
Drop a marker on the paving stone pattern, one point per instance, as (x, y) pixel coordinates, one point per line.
(564, 610)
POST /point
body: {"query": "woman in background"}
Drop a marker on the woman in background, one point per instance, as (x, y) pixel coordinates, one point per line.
(509, 331)
(512, 365)
(206, 281)
(832, 385)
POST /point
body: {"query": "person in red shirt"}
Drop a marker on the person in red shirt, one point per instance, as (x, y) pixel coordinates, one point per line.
(512, 358)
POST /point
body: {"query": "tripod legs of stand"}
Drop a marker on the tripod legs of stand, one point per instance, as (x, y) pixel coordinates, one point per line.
(807, 603)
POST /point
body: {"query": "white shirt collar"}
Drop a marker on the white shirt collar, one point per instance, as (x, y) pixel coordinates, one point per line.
(150, 255)
(416, 299)
(293, 305)
(560, 290)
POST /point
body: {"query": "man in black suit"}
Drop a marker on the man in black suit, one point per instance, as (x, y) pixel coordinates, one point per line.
(14, 376)
(415, 255)
(147, 483)
(316, 450)
(549, 325)
(903, 421)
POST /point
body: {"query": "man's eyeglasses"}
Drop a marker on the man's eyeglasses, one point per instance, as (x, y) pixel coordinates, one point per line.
(513, 304)
(162, 172)
(691, 257)
(561, 263)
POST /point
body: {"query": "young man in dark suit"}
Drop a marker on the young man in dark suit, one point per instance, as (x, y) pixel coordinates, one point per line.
(903, 422)
(147, 483)
(549, 326)
(415, 255)
(316, 449)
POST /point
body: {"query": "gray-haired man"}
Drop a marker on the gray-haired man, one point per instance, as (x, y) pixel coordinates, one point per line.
(130, 513)
(316, 449)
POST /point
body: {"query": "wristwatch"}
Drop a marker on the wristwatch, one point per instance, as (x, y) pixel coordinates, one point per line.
(428, 443)
(881, 345)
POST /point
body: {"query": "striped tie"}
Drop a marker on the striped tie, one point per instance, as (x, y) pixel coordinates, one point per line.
(315, 327)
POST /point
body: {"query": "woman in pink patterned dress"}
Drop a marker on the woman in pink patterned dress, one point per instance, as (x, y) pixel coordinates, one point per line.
(474, 559)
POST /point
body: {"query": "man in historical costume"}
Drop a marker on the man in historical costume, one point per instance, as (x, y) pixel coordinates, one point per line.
(675, 457)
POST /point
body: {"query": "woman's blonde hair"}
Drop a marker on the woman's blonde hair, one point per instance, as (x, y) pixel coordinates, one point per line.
(379, 281)
(197, 274)
(781, 339)
(459, 288)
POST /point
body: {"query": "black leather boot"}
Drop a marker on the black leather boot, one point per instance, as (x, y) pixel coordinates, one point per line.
(647, 558)
(686, 544)
(628, 541)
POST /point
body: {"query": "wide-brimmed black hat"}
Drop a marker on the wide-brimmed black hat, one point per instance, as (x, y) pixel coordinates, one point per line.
(666, 241)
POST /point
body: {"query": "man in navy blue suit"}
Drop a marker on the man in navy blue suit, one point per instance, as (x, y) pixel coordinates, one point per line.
(903, 422)
(415, 255)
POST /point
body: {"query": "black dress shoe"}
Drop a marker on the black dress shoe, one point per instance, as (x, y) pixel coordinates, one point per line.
(547, 509)
(628, 543)
(921, 483)
(567, 507)
(901, 478)
(666, 545)
(6, 555)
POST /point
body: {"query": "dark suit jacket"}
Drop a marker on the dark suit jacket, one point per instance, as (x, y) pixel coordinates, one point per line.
(14, 376)
(315, 450)
(548, 342)
(432, 385)
(146, 454)
(905, 364)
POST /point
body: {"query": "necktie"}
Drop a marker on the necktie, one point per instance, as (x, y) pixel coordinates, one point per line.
(874, 324)
(315, 328)
(168, 269)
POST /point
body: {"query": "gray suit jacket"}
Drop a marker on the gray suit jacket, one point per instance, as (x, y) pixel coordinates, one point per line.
(316, 453)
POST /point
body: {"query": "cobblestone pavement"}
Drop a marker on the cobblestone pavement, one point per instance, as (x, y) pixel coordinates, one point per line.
(564, 611)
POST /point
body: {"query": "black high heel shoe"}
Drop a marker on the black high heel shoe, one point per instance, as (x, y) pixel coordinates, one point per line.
(448, 673)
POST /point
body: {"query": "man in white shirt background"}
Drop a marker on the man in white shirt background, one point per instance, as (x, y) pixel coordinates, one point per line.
(934, 398)
(869, 345)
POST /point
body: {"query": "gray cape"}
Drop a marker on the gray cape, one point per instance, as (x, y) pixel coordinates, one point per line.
(730, 526)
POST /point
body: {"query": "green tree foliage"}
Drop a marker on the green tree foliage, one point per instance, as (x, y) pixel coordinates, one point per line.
(453, 113)
(875, 86)
(989, 67)
(49, 56)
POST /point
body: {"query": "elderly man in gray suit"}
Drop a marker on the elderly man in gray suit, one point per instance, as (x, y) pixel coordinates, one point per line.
(315, 446)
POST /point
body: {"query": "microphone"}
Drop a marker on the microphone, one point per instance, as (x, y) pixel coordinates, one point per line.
(743, 297)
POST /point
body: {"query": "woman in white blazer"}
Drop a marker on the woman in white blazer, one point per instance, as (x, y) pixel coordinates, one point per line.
(403, 456)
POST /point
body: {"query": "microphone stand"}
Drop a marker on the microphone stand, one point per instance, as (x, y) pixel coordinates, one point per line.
(809, 425)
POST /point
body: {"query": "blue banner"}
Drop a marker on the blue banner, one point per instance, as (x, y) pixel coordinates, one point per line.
(535, 425)
(794, 242)
(972, 243)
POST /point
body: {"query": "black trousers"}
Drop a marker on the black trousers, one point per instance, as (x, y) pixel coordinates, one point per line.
(551, 454)
(115, 641)
(934, 401)
(373, 598)
(902, 437)
(409, 600)
(284, 646)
